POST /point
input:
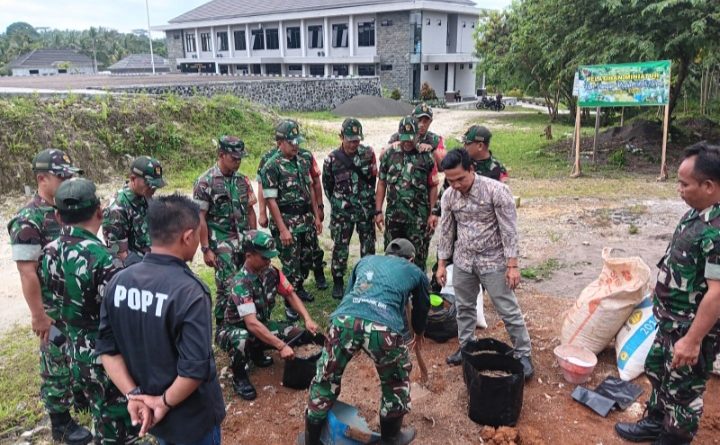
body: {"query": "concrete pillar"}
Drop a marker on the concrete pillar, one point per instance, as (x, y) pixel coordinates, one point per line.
(303, 39)
(351, 35)
(450, 77)
(231, 45)
(281, 38)
(304, 70)
(326, 37)
(247, 41)
(197, 43)
(328, 70)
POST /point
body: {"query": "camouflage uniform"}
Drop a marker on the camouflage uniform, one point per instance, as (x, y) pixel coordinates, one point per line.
(74, 271)
(692, 258)
(226, 201)
(352, 202)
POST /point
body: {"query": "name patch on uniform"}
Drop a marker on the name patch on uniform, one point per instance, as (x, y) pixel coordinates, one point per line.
(139, 299)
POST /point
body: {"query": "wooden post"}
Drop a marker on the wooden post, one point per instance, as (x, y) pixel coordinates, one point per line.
(622, 116)
(663, 165)
(597, 129)
(577, 169)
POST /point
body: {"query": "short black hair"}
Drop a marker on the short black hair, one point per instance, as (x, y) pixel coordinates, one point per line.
(456, 157)
(169, 216)
(707, 164)
(77, 216)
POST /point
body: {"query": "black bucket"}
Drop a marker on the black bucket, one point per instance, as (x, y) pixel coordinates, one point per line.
(299, 372)
(493, 400)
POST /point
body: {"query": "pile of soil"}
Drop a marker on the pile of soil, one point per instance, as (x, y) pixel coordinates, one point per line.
(372, 106)
(307, 351)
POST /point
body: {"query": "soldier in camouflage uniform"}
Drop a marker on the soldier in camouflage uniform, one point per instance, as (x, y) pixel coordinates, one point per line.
(410, 179)
(226, 201)
(30, 230)
(286, 182)
(248, 329)
(124, 220)
(349, 175)
(318, 265)
(371, 318)
(427, 140)
(687, 308)
(74, 271)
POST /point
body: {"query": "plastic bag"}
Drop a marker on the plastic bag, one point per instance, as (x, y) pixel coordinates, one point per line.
(634, 340)
(596, 402)
(623, 393)
(441, 322)
(479, 308)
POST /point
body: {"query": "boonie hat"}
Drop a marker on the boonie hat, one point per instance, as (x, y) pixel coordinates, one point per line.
(408, 128)
(352, 129)
(150, 170)
(477, 133)
(422, 110)
(76, 194)
(289, 130)
(232, 145)
(55, 161)
(261, 243)
(400, 247)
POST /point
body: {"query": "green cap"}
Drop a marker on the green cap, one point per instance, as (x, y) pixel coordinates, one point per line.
(150, 170)
(289, 130)
(261, 243)
(56, 162)
(422, 110)
(408, 128)
(232, 145)
(76, 194)
(477, 133)
(352, 129)
(400, 247)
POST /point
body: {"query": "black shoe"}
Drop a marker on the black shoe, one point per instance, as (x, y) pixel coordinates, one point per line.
(338, 288)
(527, 365)
(291, 315)
(646, 429)
(454, 359)
(241, 382)
(392, 432)
(311, 435)
(259, 359)
(64, 429)
(670, 439)
(320, 281)
(305, 295)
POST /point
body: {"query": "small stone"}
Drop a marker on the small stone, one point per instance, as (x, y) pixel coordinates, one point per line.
(586, 243)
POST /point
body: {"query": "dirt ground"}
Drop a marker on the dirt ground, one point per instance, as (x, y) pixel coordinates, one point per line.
(561, 237)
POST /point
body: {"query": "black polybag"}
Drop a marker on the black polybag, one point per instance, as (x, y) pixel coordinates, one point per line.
(622, 392)
(441, 323)
(299, 372)
(596, 402)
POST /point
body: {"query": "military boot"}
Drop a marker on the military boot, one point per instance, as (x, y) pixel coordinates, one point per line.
(241, 381)
(320, 281)
(311, 435)
(646, 429)
(64, 429)
(338, 288)
(671, 439)
(392, 432)
(258, 357)
(303, 294)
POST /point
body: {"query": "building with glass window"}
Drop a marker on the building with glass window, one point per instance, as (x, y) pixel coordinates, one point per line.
(404, 42)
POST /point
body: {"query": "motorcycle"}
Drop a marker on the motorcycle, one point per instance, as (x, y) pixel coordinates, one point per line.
(490, 104)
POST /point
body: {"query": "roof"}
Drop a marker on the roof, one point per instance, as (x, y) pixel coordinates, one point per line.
(225, 9)
(139, 62)
(50, 58)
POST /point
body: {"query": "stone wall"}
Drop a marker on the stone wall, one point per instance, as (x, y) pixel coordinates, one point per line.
(288, 94)
(175, 48)
(394, 45)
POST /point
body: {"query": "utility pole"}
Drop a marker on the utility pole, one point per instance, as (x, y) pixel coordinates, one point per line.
(152, 57)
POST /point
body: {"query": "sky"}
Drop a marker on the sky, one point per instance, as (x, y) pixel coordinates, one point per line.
(123, 15)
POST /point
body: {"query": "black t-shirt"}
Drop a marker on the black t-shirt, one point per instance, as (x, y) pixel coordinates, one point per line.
(157, 315)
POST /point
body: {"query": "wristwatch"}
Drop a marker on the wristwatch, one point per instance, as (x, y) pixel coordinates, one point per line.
(134, 392)
(204, 249)
(378, 212)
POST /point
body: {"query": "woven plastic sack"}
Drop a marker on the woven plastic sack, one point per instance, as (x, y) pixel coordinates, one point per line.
(634, 340)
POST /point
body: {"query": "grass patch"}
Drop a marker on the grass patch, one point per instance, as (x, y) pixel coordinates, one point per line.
(20, 406)
(542, 271)
(314, 115)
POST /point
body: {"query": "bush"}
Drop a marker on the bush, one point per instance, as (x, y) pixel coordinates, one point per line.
(515, 92)
(395, 94)
(427, 92)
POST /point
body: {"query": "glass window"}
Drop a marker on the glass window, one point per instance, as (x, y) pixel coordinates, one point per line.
(340, 70)
(385, 67)
(317, 70)
(190, 43)
(294, 67)
(255, 69)
(315, 36)
(239, 40)
(205, 43)
(222, 41)
(366, 34)
(272, 68)
(272, 39)
(258, 39)
(293, 37)
(366, 70)
(339, 35)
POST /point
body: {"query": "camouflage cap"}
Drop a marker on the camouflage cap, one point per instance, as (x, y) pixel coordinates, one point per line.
(232, 145)
(150, 170)
(477, 133)
(422, 110)
(262, 243)
(352, 129)
(408, 128)
(289, 130)
(400, 247)
(76, 194)
(55, 161)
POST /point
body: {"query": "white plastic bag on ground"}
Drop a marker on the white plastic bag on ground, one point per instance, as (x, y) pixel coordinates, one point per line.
(449, 289)
(634, 340)
(605, 304)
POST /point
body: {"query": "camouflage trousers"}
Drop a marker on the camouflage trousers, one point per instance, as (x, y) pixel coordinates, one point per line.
(678, 393)
(57, 386)
(298, 257)
(229, 260)
(318, 254)
(347, 335)
(341, 230)
(237, 341)
(108, 406)
(414, 231)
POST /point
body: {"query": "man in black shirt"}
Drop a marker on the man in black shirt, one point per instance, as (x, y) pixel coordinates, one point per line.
(155, 333)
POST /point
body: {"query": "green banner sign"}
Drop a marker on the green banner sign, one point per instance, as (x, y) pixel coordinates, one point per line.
(642, 84)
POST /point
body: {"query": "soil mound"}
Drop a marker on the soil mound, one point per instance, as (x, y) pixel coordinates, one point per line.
(372, 106)
(640, 133)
